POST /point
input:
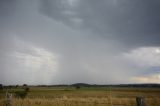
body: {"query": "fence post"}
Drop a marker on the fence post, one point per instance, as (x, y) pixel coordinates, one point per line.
(141, 101)
(9, 99)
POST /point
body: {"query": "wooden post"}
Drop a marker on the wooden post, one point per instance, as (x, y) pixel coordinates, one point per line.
(9, 99)
(141, 101)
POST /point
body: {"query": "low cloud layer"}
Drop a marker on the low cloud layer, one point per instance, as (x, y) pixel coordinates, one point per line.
(144, 56)
(71, 41)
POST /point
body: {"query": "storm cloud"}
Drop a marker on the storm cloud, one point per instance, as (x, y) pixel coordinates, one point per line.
(133, 22)
(70, 41)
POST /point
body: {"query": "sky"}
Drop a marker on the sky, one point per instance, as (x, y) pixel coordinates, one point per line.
(79, 41)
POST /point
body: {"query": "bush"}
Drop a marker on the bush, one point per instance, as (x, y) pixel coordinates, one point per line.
(17, 86)
(21, 94)
(27, 89)
(25, 85)
(1, 86)
(77, 87)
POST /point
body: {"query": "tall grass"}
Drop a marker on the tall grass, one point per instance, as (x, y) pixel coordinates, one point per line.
(65, 101)
(84, 97)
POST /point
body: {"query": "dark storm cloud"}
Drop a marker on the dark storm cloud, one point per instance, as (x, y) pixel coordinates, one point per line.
(134, 22)
(69, 41)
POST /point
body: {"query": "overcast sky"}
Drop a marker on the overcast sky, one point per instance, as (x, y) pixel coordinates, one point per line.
(79, 41)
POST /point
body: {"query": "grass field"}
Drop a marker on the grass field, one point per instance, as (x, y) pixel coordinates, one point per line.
(85, 96)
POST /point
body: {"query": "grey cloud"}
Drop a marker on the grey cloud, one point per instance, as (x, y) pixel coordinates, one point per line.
(88, 38)
(133, 22)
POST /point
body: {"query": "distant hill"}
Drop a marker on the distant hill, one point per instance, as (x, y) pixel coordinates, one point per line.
(93, 85)
(118, 85)
(81, 84)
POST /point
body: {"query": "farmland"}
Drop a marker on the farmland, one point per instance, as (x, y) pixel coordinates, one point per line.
(85, 96)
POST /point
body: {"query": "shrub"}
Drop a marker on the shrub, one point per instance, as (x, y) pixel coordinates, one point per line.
(17, 86)
(21, 94)
(77, 87)
(1, 86)
(25, 85)
(27, 89)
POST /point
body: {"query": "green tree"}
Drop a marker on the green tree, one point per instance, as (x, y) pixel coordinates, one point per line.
(1, 86)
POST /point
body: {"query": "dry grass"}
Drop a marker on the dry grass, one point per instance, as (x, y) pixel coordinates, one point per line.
(72, 102)
(92, 97)
(80, 102)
